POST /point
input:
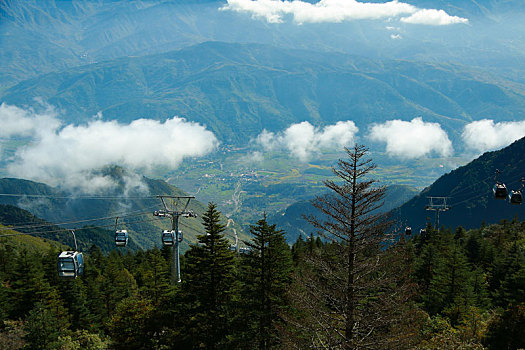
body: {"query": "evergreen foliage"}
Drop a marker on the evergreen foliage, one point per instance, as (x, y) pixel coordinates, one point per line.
(470, 289)
(266, 274)
(208, 285)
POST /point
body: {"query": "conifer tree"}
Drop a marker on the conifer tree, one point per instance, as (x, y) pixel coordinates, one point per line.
(45, 322)
(266, 275)
(155, 275)
(131, 324)
(348, 289)
(207, 287)
(450, 283)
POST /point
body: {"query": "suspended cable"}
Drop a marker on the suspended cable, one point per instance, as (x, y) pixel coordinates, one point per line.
(64, 229)
(123, 215)
(76, 197)
(455, 193)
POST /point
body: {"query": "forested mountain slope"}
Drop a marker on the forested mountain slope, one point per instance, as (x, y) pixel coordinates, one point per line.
(469, 192)
(16, 221)
(135, 210)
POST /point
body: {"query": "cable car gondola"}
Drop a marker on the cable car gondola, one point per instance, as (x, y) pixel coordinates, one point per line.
(515, 197)
(408, 230)
(70, 263)
(245, 250)
(121, 238)
(168, 238)
(499, 189)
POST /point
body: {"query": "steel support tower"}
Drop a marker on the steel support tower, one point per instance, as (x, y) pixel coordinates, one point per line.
(174, 214)
(437, 204)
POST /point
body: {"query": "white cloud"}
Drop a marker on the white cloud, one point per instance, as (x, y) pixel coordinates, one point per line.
(413, 139)
(72, 157)
(433, 17)
(16, 121)
(395, 36)
(302, 140)
(485, 135)
(336, 11)
(251, 158)
(268, 140)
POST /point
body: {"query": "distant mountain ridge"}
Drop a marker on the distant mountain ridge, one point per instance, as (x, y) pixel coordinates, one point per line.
(293, 223)
(469, 189)
(237, 90)
(42, 36)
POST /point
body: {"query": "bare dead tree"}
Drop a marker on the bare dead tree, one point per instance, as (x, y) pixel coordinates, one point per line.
(352, 293)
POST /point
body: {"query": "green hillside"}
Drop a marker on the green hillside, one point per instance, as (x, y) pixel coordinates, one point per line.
(237, 90)
(94, 216)
(469, 189)
(41, 235)
(31, 243)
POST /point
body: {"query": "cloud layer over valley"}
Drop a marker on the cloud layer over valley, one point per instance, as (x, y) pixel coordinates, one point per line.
(72, 156)
(303, 140)
(486, 135)
(413, 139)
(336, 11)
(77, 157)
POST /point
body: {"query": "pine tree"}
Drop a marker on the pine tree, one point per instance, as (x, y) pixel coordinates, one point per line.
(130, 325)
(45, 322)
(266, 276)
(208, 284)
(450, 286)
(154, 272)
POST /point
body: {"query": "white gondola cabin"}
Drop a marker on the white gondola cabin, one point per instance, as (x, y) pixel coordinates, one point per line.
(515, 197)
(70, 264)
(408, 230)
(500, 191)
(245, 250)
(168, 238)
(121, 238)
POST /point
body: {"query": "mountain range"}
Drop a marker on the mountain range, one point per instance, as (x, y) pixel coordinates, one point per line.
(239, 72)
(42, 36)
(237, 90)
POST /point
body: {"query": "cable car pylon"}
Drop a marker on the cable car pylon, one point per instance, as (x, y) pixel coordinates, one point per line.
(437, 204)
(174, 215)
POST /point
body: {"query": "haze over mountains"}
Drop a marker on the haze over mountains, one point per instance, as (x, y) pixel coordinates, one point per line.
(157, 86)
(58, 35)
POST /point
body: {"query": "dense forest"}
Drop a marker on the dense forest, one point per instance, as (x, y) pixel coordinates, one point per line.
(360, 284)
